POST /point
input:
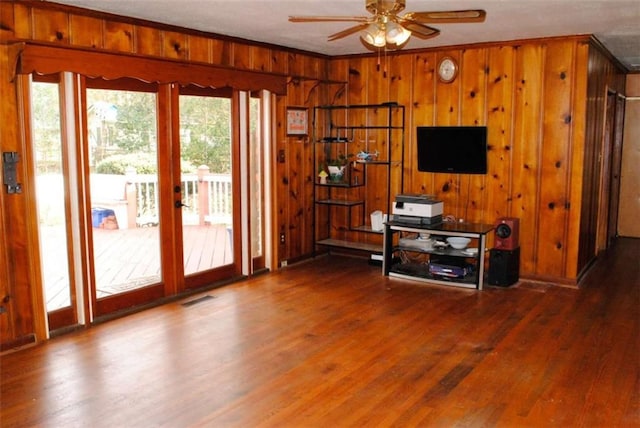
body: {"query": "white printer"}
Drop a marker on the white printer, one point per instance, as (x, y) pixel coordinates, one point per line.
(417, 209)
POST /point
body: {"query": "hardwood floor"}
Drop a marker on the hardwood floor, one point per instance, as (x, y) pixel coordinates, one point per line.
(333, 343)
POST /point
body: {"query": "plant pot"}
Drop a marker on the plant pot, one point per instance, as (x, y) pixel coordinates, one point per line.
(336, 173)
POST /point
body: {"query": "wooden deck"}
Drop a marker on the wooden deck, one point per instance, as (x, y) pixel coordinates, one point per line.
(126, 259)
(333, 343)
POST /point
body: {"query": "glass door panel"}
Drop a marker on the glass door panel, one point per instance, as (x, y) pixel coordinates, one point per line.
(206, 182)
(123, 182)
(256, 171)
(48, 154)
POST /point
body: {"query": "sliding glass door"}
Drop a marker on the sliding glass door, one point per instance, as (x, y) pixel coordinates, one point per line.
(257, 180)
(122, 149)
(139, 191)
(206, 182)
(51, 172)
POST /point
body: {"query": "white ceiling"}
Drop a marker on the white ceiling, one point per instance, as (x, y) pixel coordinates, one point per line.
(616, 23)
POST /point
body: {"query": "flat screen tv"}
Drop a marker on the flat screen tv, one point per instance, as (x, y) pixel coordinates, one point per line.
(452, 149)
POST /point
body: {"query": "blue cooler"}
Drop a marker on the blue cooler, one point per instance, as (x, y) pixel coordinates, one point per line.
(98, 215)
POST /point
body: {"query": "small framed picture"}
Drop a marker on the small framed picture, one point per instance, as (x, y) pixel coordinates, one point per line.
(297, 121)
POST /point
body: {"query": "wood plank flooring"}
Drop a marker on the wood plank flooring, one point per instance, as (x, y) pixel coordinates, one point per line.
(333, 343)
(126, 259)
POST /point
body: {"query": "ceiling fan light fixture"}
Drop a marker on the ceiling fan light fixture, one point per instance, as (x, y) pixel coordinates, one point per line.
(386, 29)
(396, 34)
(374, 36)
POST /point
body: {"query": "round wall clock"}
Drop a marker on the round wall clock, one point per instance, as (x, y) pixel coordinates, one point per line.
(447, 69)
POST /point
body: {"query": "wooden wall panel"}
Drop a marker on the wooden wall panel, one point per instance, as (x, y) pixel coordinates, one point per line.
(148, 41)
(296, 195)
(300, 176)
(221, 52)
(447, 109)
(22, 21)
(525, 150)
(279, 62)
(500, 109)
(242, 56)
(295, 64)
(420, 113)
(401, 91)
(86, 31)
(378, 82)
(175, 45)
(7, 19)
(316, 67)
(313, 96)
(577, 155)
(281, 181)
(357, 81)
(554, 159)
(473, 80)
(261, 58)
(300, 65)
(17, 324)
(602, 76)
(50, 26)
(199, 49)
(595, 107)
(118, 36)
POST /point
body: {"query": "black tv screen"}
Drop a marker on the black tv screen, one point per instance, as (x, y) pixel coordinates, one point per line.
(452, 149)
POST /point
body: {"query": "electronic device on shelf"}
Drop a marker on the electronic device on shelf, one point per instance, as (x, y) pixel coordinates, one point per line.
(449, 267)
(437, 269)
(415, 209)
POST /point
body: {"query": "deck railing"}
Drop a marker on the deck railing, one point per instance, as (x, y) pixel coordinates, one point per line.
(206, 197)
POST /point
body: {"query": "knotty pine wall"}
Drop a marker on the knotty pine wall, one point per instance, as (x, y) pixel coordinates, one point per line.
(544, 136)
(543, 101)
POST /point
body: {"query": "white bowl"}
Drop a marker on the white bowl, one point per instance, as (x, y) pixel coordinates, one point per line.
(458, 243)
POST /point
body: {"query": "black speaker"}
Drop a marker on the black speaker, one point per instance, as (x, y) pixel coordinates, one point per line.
(504, 266)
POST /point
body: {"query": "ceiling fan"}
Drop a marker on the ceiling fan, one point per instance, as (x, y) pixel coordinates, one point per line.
(387, 29)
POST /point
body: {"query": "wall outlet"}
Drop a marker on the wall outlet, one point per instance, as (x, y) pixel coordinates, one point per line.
(283, 263)
(282, 238)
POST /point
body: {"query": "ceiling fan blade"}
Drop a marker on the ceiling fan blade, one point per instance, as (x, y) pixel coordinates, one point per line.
(452, 16)
(348, 32)
(417, 29)
(329, 19)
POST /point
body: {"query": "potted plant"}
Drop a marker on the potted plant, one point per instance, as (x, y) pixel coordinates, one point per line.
(336, 167)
